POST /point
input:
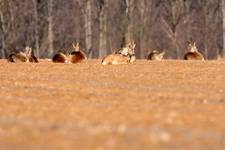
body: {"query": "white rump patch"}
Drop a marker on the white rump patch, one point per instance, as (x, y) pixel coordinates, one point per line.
(66, 61)
(104, 63)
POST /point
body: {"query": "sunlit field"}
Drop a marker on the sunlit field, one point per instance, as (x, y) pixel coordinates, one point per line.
(166, 104)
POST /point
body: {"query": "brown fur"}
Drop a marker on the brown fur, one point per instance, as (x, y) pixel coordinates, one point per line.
(114, 59)
(155, 55)
(193, 56)
(33, 59)
(77, 55)
(19, 57)
(131, 51)
(193, 53)
(11, 58)
(25, 56)
(59, 58)
(124, 56)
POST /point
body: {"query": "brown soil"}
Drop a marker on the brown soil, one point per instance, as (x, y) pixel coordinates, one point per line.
(157, 105)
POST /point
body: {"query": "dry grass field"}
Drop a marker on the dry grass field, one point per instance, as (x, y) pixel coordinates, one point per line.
(146, 105)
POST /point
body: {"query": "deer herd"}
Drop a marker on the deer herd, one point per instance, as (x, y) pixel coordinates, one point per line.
(124, 55)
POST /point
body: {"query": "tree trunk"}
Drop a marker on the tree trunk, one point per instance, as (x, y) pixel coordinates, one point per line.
(206, 30)
(177, 47)
(206, 47)
(36, 26)
(189, 26)
(223, 10)
(50, 28)
(143, 33)
(2, 31)
(88, 28)
(129, 12)
(175, 13)
(103, 30)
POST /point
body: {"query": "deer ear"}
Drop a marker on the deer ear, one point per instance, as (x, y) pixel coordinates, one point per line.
(27, 50)
(30, 51)
(190, 44)
(194, 44)
(74, 46)
(134, 45)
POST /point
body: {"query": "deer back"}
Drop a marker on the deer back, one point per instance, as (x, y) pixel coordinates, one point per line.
(114, 59)
(77, 55)
(193, 56)
(155, 55)
(59, 58)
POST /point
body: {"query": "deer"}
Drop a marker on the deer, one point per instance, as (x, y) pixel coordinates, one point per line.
(60, 57)
(155, 55)
(77, 55)
(25, 56)
(193, 53)
(124, 56)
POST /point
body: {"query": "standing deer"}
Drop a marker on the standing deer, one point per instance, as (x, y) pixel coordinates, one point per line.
(23, 56)
(124, 56)
(77, 55)
(156, 55)
(193, 53)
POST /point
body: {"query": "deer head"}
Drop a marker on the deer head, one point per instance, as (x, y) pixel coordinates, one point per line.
(28, 51)
(76, 46)
(131, 47)
(192, 47)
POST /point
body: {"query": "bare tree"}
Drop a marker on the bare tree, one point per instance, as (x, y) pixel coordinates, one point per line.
(50, 28)
(223, 11)
(205, 28)
(36, 28)
(88, 27)
(129, 14)
(149, 11)
(102, 6)
(176, 16)
(143, 20)
(2, 22)
(101, 25)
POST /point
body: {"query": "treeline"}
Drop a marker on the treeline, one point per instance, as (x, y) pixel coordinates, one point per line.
(101, 26)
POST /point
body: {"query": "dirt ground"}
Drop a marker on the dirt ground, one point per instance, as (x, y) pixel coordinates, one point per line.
(146, 105)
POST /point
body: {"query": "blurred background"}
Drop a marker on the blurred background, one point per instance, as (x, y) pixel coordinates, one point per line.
(102, 26)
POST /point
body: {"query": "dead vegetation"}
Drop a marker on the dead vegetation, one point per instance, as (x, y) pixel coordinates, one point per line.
(90, 106)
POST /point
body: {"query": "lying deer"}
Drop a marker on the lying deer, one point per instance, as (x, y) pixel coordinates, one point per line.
(23, 56)
(193, 53)
(60, 57)
(77, 55)
(124, 56)
(155, 55)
